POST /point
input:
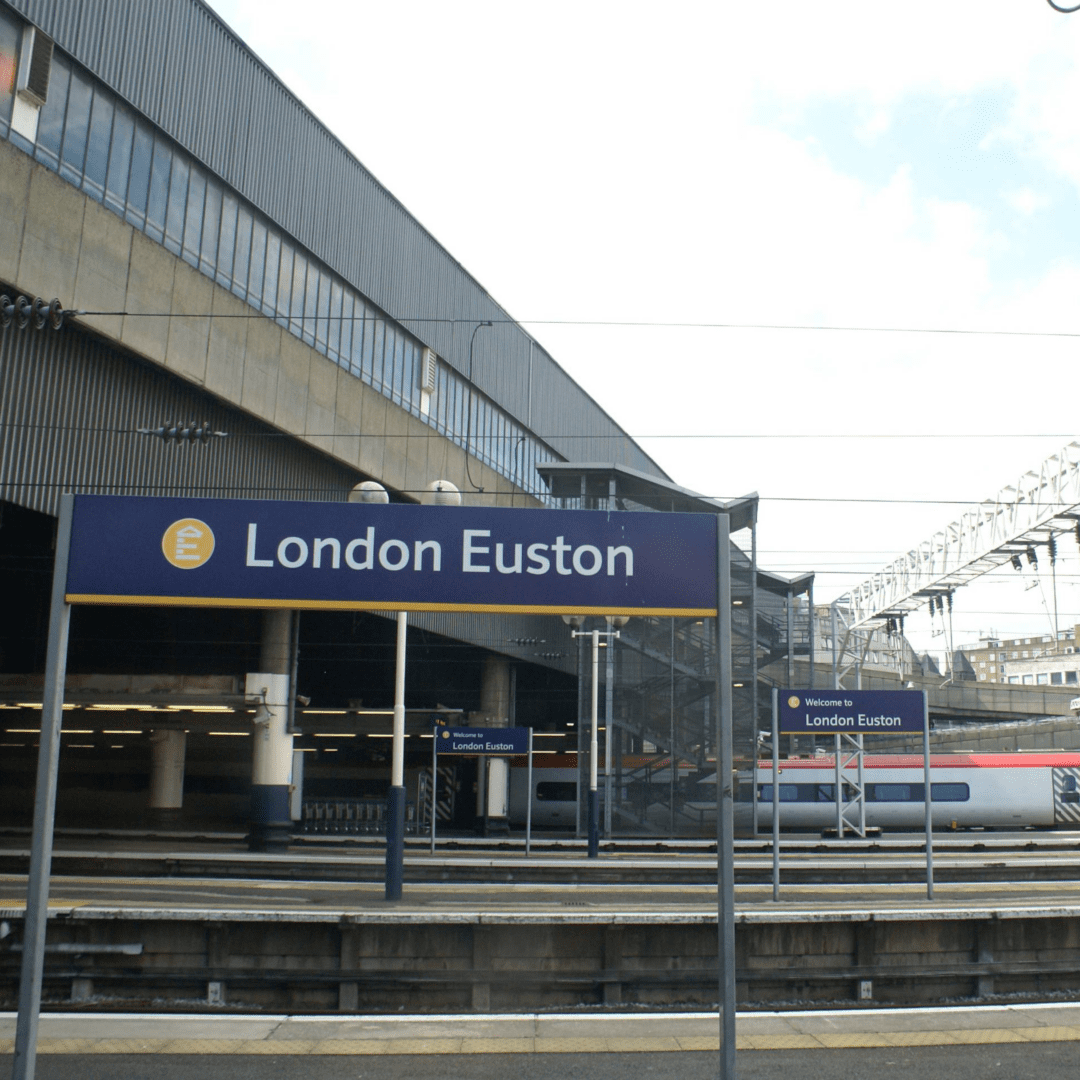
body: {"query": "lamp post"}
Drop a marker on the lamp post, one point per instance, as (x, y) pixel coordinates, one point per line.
(372, 492)
(468, 418)
(438, 493)
(577, 621)
(395, 804)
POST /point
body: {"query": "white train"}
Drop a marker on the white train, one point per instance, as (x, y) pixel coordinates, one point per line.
(554, 791)
(967, 791)
(1018, 790)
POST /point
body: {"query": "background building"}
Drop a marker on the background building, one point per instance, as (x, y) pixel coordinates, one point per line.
(1036, 659)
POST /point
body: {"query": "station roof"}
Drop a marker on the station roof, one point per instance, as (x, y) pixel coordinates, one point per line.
(564, 478)
(782, 584)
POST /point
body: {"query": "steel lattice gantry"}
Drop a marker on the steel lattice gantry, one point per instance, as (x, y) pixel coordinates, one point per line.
(1043, 503)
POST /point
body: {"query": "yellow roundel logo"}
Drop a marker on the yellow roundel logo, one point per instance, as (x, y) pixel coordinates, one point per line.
(188, 543)
(793, 702)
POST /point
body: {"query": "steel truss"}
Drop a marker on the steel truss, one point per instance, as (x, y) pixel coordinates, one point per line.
(850, 789)
(1043, 504)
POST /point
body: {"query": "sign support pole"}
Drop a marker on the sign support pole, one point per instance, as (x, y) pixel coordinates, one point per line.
(609, 726)
(928, 799)
(594, 798)
(395, 807)
(528, 800)
(775, 793)
(839, 781)
(434, 782)
(37, 892)
(725, 806)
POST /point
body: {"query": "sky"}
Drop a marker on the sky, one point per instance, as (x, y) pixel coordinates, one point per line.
(866, 218)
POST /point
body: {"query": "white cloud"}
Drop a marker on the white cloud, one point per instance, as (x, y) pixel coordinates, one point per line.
(1027, 202)
(587, 162)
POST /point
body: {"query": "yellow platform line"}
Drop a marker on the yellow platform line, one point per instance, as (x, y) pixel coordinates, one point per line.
(532, 1045)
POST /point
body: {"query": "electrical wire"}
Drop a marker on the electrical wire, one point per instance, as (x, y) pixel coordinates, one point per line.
(823, 499)
(763, 436)
(628, 323)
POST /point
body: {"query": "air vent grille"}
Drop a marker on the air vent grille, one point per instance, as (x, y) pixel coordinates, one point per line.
(35, 64)
(427, 371)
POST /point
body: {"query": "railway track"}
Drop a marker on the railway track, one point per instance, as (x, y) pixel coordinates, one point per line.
(804, 859)
(154, 922)
(175, 943)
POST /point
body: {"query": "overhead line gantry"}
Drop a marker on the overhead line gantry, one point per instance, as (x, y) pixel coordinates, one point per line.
(1043, 504)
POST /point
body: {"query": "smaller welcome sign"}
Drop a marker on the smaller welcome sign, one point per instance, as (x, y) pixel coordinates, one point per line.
(503, 740)
(851, 712)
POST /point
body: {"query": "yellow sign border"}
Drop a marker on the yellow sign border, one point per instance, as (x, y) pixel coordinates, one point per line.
(379, 605)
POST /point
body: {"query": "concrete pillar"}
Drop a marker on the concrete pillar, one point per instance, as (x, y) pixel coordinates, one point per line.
(167, 750)
(496, 708)
(498, 794)
(270, 822)
(275, 655)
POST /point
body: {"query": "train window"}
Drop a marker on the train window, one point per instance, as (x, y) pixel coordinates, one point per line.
(950, 792)
(1068, 783)
(893, 792)
(788, 793)
(889, 793)
(942, 792)
(799, 793)
(556, 791)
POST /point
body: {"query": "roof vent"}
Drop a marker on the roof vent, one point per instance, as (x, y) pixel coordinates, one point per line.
(35, 63)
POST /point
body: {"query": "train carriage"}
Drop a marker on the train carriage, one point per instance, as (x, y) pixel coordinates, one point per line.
(1019, 790)
(993, 791)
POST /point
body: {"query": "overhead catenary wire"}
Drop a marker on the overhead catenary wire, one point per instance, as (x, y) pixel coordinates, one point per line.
(824, 499)
(764, 436)
(767, 436)
(659, 324)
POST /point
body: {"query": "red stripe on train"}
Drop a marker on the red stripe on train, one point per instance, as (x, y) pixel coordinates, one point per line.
(1062, 759)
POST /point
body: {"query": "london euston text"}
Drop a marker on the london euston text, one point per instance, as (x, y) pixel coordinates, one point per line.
(477, 554)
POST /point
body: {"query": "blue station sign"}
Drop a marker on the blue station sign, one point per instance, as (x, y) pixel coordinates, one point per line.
(507, 740)
(852, 712)
(393, 557)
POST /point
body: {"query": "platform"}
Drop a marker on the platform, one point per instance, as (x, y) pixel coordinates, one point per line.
(283, 1034)
(504, 946)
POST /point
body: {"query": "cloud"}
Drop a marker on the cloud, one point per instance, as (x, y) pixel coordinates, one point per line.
(584, 162)
(1027, 202)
